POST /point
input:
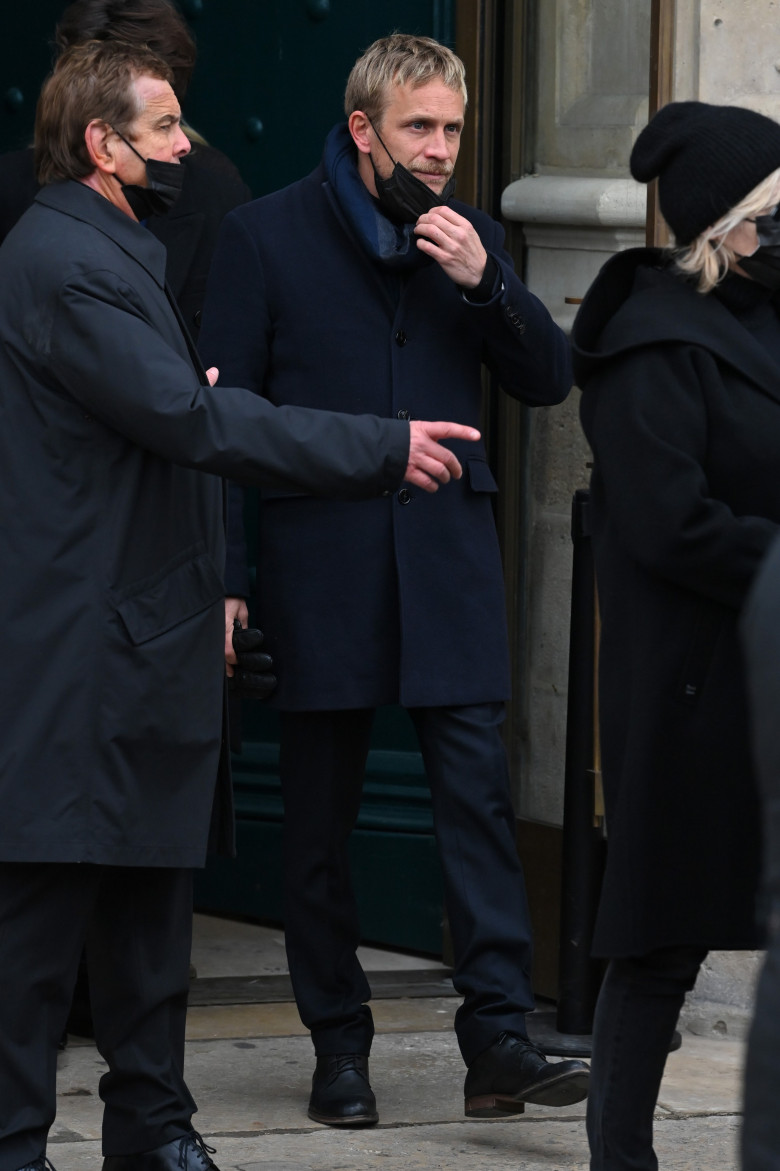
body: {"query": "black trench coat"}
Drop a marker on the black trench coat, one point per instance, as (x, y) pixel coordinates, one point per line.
(681, 405)
(112, 542)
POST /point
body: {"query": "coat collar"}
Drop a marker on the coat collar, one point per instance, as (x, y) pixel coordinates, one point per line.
(82, 203)
(636, 301)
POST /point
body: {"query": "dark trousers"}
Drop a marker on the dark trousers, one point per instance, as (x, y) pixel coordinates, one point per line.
(137, 927)
(323, 757)
(636, 1015)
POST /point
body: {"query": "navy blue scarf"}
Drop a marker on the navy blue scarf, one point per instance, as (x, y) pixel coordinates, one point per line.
(388, 243)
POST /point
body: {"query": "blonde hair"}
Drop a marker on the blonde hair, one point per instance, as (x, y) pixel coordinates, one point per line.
(708, 257)
(400, 60)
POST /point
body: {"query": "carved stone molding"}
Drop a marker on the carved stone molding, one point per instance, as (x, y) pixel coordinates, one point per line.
(572, 199)
(593, 58)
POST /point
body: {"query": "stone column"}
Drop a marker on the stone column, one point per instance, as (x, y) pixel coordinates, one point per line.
(576, 209)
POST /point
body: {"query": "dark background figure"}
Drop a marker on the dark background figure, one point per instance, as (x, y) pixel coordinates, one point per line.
(368, 272)
(678, 357)
(113, 445)
(212, 185)
(761, 642)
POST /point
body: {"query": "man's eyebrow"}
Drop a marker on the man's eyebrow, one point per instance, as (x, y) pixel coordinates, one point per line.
(166, 117)
(434, 118)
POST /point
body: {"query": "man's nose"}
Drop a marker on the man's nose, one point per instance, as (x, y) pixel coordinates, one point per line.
(436, 145)
(182, 146)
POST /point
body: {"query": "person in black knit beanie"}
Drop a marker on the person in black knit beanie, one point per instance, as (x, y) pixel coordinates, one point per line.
(706, 159)
(677, 353)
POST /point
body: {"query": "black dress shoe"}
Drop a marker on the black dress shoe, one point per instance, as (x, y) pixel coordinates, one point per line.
(513, 1071)
(340, 1092)
(39, 1164)
(188, 1153)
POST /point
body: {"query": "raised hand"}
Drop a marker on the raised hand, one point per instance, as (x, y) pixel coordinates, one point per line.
(453, 243)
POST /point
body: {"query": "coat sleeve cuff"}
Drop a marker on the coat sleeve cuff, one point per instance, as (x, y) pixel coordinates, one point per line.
(397, 458)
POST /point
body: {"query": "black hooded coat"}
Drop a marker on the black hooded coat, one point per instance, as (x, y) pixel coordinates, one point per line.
(681, 405)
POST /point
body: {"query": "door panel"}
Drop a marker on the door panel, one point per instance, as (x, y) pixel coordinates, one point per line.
(26, 50)
(270, 78)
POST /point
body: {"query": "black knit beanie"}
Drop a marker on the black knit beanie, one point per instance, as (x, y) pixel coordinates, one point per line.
(706, 159)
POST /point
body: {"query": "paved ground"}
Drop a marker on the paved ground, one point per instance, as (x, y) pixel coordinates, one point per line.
(250, 1073)
(249, 1067)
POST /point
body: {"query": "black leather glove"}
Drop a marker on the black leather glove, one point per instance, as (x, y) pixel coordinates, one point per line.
(252, 677)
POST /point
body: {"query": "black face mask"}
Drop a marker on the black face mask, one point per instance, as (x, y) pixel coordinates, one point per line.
(763, 265)
(164, 186)
(403, 196)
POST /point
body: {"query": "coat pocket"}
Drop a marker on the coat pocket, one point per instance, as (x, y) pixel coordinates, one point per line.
(481, 478)
(269, 494)
(172, 596)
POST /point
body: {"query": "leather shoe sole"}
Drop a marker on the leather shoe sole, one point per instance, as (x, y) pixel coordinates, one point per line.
(564, 1089)
(367, 1118)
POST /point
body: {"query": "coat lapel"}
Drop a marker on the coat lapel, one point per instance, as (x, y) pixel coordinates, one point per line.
(673, 312)
(82, 203)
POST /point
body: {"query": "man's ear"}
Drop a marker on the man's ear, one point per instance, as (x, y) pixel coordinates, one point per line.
(360, 129)
(98, 137)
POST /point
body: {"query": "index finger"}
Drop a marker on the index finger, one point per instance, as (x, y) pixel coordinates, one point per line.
(445, 212)
(453, 431)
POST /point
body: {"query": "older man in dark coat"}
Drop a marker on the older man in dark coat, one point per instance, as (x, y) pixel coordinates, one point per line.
(367, 273)
(112, 444)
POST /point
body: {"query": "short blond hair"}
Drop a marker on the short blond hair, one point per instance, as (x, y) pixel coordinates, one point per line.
(400, 59)
(708, 257)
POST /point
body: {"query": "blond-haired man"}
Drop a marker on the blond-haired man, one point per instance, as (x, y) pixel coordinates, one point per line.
(366, 283)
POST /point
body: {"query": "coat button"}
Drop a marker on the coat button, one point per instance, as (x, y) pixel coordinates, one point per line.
(404, 496)
(400, 338)
(515, 318)
(403, 413)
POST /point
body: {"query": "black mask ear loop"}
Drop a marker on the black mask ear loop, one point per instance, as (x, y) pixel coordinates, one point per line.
(127, 142)
(381, 143)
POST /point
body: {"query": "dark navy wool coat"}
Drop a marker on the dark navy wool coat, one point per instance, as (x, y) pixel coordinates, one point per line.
(112, 541)
(681, 405)
(398, 599)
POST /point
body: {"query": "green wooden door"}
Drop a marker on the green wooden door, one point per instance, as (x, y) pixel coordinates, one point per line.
(270, 78)
(25, 58)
